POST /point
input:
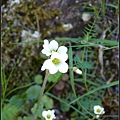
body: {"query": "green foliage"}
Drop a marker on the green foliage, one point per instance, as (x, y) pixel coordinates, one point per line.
(69, 98)
(9, 112)
(89, 32)
(38, 79)
(54, 77)
(24, 118)
(5, 81)
(44, 102)
(96, 89)
(71, 71)
(64, 107)
(38, 112)
(87, 89)
(16, 100)
(33, 92)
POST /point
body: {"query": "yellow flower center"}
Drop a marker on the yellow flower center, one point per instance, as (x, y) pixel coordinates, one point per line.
(53, 50)
(56, 61)
(98, 110)
(48, 116)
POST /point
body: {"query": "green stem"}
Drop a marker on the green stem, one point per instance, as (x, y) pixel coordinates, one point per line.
(85, 81)
(83, 73)
(42, 91)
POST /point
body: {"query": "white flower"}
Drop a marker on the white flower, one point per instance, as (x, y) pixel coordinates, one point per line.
(56, 63)
(52, 47)
(98, 110)
(76, 70)
(48, 115)
(86, 17)
(97, 116)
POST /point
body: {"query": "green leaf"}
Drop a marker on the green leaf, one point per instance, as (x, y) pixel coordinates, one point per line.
(9, 112)
(44, 101)
(24, 118)
(88, 81)
(64, 107)
(71, 71)
(38, 79)
(54, 77)
(33, 92)
(105, 42)
(84, 64)
(38, 112)
(16, 100)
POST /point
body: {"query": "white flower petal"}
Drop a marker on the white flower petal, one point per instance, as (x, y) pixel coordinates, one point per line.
(46, 41)
(63, 67)
(46, 45)
(63, 57)
(50, 113)
(53, 45)
(97, 107)
(46, 64)
(44, 113)
(47, 53)
(52, 68)
(62, 49)
(55, 55)
(78, 71)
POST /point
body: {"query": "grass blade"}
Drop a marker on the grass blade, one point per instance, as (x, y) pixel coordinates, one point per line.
(71, 71)
(99, 88)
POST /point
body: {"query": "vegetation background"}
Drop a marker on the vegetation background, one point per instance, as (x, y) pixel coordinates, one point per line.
(93, 48)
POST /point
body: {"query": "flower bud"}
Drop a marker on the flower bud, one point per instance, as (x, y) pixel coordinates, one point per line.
(76, 70)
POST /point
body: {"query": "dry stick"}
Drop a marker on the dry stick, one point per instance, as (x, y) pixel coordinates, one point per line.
(38, 26)
(37, 20)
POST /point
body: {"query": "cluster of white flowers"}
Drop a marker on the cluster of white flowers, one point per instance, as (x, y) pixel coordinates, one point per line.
(58, 57)
(98, 110)
(48, 115)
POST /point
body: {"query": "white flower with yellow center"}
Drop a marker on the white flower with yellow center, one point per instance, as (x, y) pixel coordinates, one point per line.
(48, 48)
(56, 63)
(98, 110)
(48, 115)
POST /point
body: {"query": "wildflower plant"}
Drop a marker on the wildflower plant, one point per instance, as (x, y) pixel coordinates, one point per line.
(98, 110)
(49, 48)
(56, 62)
(82, 100)
(48, 115)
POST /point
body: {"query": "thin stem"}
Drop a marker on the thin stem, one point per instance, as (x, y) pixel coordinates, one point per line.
(42, 89)
(84, 72)
(41, 92)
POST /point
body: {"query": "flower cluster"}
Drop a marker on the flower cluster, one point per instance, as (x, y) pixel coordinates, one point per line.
(48, 115)
(58, 57)
(98, 110)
